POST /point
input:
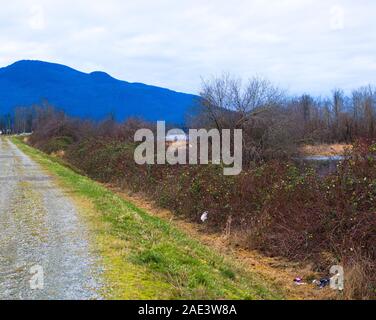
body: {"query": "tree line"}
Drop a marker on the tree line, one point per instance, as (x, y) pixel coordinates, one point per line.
(273, 122)
(25, 119)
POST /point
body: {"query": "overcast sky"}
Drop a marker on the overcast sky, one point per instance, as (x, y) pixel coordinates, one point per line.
(302, 45)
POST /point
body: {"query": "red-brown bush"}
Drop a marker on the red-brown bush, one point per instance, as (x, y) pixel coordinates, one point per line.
(279, 208)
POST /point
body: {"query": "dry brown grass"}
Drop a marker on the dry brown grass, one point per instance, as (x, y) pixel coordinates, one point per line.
(336, 149)
(58, 154)
(357, 280)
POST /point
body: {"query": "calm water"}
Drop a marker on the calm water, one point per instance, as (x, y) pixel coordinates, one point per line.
(323, 165)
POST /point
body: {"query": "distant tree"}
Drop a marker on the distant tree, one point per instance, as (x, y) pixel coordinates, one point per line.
(338, 104)
(255, 107)
(230, 104)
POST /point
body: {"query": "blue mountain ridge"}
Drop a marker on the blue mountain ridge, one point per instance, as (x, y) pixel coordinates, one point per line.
(88, 95)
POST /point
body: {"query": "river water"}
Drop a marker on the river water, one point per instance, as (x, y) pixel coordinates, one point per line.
(323, 165)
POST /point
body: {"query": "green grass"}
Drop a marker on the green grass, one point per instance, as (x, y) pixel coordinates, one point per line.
(144, 256)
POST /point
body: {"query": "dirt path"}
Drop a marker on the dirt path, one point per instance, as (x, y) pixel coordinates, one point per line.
(41, 233)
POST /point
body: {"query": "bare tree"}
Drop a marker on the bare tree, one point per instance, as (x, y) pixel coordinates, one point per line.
(338, 103)
(229, 103)
(363, 110)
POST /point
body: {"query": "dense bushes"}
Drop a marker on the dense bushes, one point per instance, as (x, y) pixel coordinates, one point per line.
(283, 210)
(274, 207)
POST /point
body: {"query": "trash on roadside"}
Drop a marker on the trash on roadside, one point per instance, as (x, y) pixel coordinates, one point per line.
(322, 283)
(299, 281)
(204, 216)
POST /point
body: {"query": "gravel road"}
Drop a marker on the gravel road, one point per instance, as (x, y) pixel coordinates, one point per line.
(44, 244)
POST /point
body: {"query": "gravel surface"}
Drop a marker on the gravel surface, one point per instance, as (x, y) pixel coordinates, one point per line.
(44, 244)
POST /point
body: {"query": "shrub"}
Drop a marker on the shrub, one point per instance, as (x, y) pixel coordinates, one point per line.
(57, 144)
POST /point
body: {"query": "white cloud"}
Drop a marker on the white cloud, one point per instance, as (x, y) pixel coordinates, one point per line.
(337, 21)
(37, 18)
(304, 45)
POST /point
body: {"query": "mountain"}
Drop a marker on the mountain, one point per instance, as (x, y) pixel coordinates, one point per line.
(88, 95)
